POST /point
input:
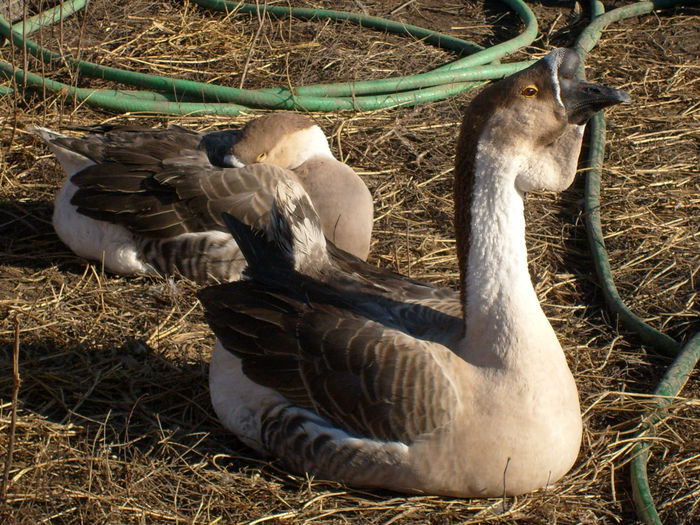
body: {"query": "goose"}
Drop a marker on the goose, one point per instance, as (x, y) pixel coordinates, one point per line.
(355, 374)
(150, 201)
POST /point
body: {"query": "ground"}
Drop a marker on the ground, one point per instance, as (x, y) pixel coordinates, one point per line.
(114, 423)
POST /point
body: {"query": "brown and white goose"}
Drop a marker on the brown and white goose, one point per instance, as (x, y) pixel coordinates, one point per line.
(144, 200)
(351, 373)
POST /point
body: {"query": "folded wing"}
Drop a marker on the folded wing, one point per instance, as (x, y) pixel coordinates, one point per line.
(368, 379)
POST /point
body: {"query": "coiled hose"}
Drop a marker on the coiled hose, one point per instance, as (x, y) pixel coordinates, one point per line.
(177, 97)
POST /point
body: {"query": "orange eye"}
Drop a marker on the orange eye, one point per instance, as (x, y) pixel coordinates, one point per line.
(529, 91)
(261, 157)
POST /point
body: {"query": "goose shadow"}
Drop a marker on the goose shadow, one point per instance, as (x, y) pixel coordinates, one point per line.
(128, 401)
(28, 240)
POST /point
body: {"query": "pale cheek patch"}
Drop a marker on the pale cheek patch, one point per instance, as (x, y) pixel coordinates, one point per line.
(303, 145)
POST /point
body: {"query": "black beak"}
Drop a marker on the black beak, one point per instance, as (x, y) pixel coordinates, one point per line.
(218, 144)
(583, 99)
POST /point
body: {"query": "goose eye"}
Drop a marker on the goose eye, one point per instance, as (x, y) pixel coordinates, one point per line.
(529, 91)
(261, 157)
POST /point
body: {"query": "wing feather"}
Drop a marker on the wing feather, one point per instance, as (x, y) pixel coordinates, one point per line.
(392, 284)
(365, 377)
(164, 199)
(103, 141)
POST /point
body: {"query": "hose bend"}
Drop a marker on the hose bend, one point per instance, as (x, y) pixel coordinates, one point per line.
(190, 97)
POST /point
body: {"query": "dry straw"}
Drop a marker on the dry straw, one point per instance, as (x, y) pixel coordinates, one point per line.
(113, 421)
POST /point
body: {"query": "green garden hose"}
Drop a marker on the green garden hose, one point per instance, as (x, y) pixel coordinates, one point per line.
(650, 336)
(379, 94)
(672, 383)
(586, 41)
(116, 100)
(686, 356)
(176, 97)
(481, 56)
(430, 37)
(50, 16)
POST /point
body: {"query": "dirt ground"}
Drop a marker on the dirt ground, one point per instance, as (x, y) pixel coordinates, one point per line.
(114, 423)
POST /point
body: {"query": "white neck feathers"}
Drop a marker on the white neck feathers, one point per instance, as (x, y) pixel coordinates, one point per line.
(502, 310)
(304, 145)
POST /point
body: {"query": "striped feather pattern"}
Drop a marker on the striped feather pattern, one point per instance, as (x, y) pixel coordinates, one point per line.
(198, 256)
(369, 379)
(118, 143)
(309, 443)
(162, 201)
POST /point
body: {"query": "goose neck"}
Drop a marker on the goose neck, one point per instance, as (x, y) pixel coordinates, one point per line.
(501, 310)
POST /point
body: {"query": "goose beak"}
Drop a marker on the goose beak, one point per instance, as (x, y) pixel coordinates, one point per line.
(583, 99)
(219, 145)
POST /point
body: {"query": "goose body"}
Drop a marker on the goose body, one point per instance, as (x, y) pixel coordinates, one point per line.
(355, 374)
(145, 201)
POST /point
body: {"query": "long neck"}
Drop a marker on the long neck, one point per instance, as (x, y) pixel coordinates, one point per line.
(502, 314)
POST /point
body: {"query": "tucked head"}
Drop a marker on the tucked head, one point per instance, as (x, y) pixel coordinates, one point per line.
(282, 139)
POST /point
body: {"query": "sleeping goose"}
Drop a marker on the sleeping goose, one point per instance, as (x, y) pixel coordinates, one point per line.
(144, 201)
(355, 374)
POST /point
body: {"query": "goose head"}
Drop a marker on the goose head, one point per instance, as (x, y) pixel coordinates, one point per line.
(292, 141)
(537, 117)
(520, 134)
(286, 140)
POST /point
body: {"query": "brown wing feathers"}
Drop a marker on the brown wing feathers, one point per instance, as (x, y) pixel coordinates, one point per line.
(378, 381)
(366, 378)
(108, 141)
(128, 195)
(164, 198)
(246, 193)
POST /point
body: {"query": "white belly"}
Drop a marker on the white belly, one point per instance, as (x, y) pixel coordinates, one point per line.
(236, 399)
(111, 244)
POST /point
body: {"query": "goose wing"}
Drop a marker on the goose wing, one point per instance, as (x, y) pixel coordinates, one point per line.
(159, 198)
(110, 142)
(366, 378)
(393, 285)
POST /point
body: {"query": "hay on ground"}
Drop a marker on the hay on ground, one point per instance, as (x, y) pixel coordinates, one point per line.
(114, 421)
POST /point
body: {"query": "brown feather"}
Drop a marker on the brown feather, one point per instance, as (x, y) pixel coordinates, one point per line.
(346, 366)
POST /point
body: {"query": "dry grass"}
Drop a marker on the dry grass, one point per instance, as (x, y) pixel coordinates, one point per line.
(114, 423)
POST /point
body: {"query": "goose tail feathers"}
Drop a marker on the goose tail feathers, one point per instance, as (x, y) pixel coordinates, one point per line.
(261, 254)
(71, 161)
(45, 133)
